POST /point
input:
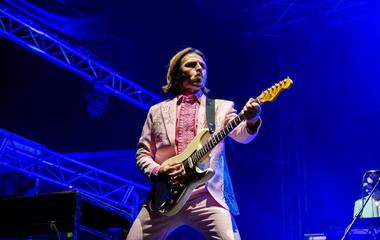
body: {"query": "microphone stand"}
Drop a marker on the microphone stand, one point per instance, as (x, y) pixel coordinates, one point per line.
(347, 231)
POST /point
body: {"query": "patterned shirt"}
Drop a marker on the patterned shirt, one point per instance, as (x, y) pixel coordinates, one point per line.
(186, 121)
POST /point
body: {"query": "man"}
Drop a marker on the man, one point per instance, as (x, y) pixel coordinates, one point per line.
(168, 129)
(372, 208)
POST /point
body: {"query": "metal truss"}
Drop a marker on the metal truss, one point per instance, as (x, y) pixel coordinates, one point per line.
(38, 161)
(271, 18)
(78, 60)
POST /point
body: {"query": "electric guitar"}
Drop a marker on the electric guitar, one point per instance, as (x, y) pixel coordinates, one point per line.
(167, 199)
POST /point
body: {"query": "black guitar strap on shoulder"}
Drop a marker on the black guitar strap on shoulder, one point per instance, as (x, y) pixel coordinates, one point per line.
(210, 114)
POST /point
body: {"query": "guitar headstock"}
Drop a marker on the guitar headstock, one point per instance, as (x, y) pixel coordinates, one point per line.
(274, 91)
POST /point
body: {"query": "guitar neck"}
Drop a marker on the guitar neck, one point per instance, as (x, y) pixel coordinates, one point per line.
(216, 138)
(268, 95)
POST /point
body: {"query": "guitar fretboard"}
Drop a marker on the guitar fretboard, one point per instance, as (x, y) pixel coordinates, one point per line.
(215, 139)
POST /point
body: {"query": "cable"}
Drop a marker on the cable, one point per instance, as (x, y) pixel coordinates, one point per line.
(53, 227)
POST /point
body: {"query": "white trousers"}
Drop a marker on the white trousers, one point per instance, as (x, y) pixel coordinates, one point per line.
(201, 212)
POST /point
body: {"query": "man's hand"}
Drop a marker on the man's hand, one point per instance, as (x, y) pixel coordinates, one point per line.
(174, 173)
(251, 112)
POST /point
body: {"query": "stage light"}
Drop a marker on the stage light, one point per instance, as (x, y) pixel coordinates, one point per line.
(97, 104)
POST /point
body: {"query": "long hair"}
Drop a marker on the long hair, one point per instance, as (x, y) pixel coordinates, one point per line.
(174, 73)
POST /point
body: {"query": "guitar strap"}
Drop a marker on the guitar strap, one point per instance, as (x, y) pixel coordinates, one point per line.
(210, 114)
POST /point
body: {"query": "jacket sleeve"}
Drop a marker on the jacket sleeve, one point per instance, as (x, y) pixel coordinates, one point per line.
(146, 148)
(241, 133)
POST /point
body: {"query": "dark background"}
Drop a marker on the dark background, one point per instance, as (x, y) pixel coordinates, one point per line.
(302, 173)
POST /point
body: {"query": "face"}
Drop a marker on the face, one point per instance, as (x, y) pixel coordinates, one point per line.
(193, 73)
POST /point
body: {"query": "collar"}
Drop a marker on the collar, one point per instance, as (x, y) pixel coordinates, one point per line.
(198, 96)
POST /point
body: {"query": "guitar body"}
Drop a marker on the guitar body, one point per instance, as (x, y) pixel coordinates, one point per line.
(167, 200)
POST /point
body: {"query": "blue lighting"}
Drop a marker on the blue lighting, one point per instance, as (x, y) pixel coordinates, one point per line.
(97, 104)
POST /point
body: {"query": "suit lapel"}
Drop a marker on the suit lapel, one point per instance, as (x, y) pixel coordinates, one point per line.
(168, 110)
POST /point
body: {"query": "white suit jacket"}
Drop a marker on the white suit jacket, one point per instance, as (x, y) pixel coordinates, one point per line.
(157, 144)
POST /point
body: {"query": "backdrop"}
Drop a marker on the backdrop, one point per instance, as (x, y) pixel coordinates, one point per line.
(301, 174)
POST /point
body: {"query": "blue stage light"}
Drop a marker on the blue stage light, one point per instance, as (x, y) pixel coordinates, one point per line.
(97, 104)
